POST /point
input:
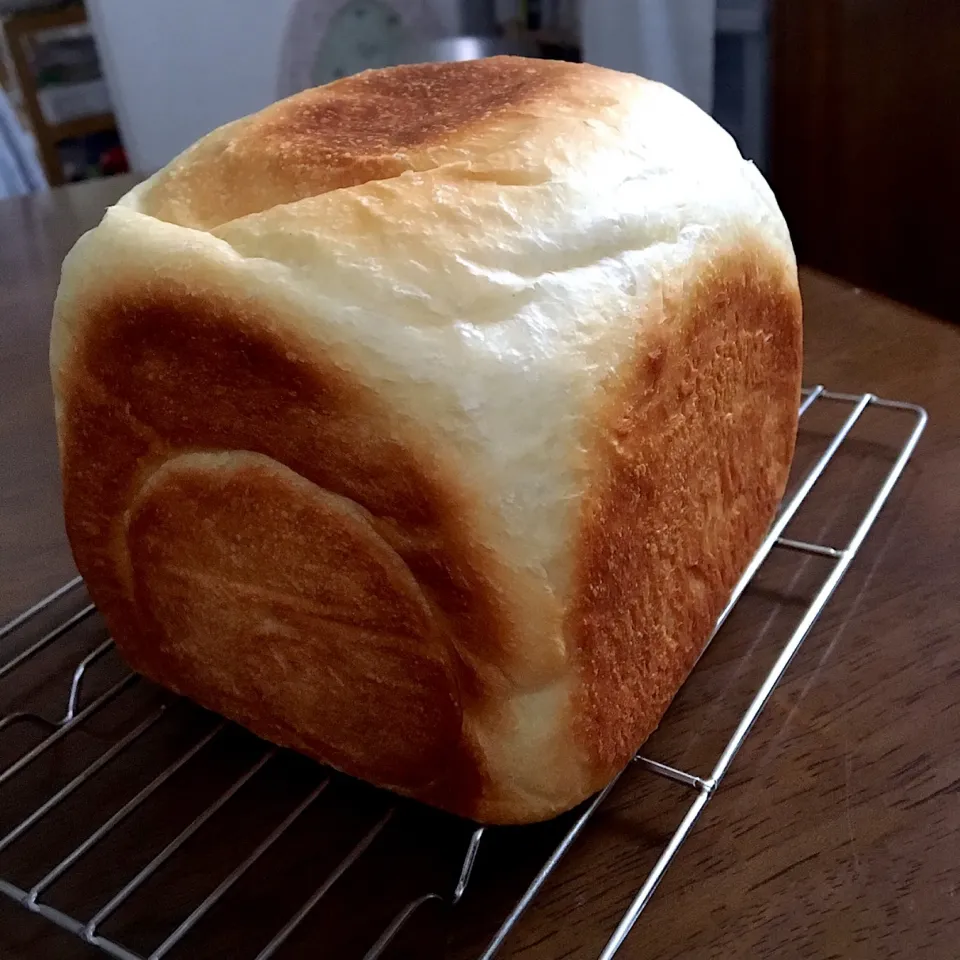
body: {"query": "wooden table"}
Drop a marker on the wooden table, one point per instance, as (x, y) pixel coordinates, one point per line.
(837, 832)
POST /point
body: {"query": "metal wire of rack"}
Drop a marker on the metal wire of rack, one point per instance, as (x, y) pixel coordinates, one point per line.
(77, 712)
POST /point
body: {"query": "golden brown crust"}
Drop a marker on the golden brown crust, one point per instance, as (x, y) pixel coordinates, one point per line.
(243, 583)
(277, 604)
(692, 450)
(373, 126)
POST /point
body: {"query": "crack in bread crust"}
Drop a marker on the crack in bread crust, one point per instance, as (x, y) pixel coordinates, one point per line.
(373, 126)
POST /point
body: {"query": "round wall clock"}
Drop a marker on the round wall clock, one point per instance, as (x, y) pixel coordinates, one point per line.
(330, 39)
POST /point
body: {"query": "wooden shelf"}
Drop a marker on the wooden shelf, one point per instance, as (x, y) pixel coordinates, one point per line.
(83, 126)
(18, 29)
(35, 21)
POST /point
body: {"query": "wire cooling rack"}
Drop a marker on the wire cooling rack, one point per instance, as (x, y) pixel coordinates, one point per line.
(80, 782)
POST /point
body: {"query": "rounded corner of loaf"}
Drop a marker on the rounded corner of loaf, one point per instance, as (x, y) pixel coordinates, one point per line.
(373, 126)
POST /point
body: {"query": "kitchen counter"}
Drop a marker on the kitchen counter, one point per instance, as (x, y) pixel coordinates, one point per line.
(836, 833)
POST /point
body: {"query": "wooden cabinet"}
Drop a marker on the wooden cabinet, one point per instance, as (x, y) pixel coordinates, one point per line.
(865, 142)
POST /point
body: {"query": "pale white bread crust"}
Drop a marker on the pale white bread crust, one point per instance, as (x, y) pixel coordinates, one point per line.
(371, 449)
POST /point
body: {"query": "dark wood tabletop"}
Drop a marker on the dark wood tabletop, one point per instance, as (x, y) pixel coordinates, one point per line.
(836, 833)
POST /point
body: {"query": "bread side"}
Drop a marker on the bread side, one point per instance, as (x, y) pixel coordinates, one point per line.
(438, 476)
(691, 452)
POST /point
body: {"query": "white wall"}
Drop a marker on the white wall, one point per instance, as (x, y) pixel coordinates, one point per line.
(178, 68)
(666, 40)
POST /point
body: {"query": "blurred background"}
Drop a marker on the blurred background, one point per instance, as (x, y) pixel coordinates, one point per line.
(851, 107)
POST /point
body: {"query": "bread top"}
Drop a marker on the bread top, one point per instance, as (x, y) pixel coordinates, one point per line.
(373, 126)
(524, 120)
(461, 192)
(486, 116)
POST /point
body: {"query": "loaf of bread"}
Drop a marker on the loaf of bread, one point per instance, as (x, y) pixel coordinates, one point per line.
(423, 422)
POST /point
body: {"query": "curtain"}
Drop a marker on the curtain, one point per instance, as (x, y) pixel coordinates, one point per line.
(667, 40)
(20, 170)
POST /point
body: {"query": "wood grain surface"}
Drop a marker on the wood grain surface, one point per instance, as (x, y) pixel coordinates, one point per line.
(835, 835)
(864, 146)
